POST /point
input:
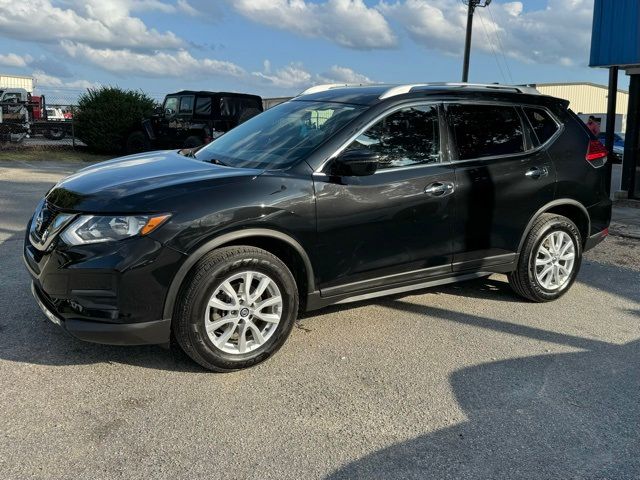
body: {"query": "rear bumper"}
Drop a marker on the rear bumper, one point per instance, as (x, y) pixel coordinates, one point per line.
(144, 333)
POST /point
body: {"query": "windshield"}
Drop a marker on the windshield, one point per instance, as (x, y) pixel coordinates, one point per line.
(281, 136)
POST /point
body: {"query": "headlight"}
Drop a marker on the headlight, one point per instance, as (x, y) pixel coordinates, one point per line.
(96, 229)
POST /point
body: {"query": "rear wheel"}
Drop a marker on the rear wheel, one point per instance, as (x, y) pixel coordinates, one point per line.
(549, 261)
(55, 133)
(236, 309)
(137, 142)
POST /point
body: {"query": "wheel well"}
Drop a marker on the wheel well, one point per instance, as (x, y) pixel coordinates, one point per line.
(576, 215)
(285, 252)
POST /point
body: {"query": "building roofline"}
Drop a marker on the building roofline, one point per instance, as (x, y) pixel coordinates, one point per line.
(562, 84)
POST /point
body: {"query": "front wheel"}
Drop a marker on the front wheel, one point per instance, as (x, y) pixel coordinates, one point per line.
(549, 261)
(236, 309)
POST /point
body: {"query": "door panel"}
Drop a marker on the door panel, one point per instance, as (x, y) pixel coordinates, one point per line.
(383, 224)
(496, 196)
(395, 221)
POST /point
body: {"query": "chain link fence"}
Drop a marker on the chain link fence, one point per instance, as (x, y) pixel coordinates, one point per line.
(45, 121)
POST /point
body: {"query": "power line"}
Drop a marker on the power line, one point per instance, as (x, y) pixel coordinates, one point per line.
(493, 50)
(501, 47)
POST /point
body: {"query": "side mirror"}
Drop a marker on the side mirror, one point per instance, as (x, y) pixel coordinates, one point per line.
(158, 110)
(356, 163)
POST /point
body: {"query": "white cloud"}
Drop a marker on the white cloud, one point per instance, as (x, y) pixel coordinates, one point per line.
(14, 60)
(94, 22)
(49, 81)
(349, 23)
(557, 34)
(154, 64)
(338, 74)
(296, 76)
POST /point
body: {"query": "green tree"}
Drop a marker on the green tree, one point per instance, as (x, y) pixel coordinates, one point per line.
(106, 115)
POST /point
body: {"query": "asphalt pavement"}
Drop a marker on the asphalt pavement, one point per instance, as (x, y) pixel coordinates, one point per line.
(463, 381)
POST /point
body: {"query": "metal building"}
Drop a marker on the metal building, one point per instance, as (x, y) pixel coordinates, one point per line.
(615, 44)
(16, 81)
(587, 98)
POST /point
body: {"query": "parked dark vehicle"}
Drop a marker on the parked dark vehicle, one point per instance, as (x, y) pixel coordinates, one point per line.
(618, 146)
(339, 195)
(188, 119)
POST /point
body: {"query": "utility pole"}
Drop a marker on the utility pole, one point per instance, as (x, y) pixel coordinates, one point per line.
(472, 4)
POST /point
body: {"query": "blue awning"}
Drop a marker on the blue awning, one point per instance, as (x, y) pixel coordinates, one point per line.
(615, 40)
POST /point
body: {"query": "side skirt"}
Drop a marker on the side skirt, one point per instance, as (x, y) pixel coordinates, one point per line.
(316, 301)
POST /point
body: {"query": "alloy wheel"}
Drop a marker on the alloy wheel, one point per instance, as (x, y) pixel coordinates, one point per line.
(243, 313)
(555, 260)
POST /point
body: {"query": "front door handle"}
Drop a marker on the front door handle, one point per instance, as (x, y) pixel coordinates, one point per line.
(537, 172)
(439, 189)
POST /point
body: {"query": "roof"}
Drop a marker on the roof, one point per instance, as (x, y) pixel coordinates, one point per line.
(373, 94)
(205, 93)
(562, 84)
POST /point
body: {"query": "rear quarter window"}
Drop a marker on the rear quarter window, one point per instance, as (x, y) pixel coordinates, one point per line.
(542, 124)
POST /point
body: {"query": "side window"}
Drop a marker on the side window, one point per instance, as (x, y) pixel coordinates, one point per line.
(203, 106)
(186, 104)
(407, 137)
(485, 130)
(543, 125)
(171, 103)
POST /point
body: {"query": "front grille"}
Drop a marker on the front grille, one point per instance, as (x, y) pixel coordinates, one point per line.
(43, 219)
(47, 222)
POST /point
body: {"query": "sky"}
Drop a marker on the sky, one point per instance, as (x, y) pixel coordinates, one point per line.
(281, 47)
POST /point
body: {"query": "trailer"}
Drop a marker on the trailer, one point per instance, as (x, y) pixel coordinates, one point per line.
(23, 115)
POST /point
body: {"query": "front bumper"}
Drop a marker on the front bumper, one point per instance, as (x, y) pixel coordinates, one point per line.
(143, 333)
(109, 293)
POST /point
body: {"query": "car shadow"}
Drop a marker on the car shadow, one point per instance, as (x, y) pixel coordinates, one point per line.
(568, 415)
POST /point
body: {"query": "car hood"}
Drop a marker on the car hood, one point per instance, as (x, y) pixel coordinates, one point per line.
(141, 183)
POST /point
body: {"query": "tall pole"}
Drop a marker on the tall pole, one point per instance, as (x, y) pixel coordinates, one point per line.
(611, 121)
(467, 41)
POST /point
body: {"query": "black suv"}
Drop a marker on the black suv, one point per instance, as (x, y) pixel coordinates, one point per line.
(340, 194)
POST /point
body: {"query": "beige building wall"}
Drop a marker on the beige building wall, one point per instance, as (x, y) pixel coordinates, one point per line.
(588, 99)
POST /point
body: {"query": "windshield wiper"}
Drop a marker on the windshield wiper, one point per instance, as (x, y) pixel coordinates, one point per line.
(216, 162)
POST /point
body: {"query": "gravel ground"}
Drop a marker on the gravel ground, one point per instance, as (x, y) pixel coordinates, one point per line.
(463, 381)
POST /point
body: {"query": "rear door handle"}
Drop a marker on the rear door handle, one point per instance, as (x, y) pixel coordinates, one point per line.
(439, 189)
(537, 172)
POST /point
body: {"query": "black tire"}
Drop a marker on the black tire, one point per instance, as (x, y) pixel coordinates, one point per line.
(246, 114)
(55, 133)
(524, 281)
(137, 142)
(189, 317)
(193, 141)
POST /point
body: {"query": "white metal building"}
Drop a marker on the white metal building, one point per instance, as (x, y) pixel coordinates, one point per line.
(588, 99)
(16, 81)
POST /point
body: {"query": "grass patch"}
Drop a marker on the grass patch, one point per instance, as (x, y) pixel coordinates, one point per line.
(57, 154)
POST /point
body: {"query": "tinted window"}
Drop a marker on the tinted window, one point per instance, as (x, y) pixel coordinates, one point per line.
(186, 104)
(542, 123)
(281, 136)
(485, 130)
(203, 106)
(407, 137)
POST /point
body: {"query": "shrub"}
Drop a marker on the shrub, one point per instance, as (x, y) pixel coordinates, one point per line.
(106, 115)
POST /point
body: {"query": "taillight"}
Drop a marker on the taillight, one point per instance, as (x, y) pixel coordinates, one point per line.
(596, 153)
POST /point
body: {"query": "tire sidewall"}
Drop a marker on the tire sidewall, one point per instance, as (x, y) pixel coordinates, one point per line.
(554, 225)
(196, 318)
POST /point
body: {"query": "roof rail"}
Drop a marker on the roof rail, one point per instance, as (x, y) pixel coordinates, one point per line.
(400, 89)
(328, 86)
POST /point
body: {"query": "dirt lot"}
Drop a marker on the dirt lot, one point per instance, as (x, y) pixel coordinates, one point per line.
(463, 381)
